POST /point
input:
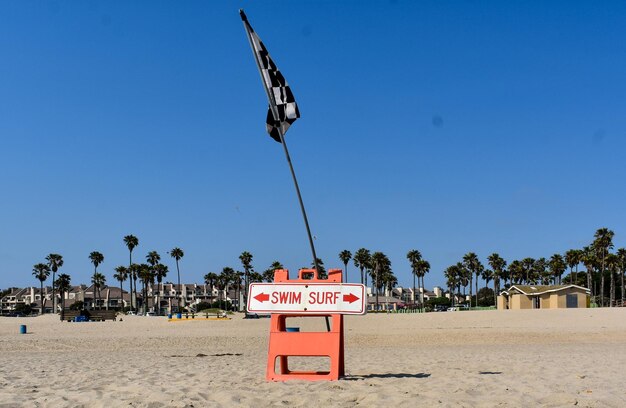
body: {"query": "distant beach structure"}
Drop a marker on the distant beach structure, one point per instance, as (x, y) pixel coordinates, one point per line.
(543, 297)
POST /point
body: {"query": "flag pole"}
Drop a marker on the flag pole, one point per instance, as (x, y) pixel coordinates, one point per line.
(276, 116)
(295, 183)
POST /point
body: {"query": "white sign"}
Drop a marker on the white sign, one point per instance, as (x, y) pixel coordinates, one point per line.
(307, 298)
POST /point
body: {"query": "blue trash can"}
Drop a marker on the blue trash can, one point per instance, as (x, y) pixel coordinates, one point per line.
(179, 315)
(292, 329)
(169, 316)
(23, 329)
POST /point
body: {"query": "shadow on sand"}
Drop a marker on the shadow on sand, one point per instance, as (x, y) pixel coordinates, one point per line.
(388, 375)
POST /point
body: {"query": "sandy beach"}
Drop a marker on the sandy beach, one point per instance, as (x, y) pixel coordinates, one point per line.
(468, 359)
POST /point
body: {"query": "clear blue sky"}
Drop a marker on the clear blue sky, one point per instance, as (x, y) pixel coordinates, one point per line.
(446, 127)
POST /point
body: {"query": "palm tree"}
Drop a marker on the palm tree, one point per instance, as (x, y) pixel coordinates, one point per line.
(121, 274)
(538, 272)
(246, 262)
(345, 257)
(153, 258)
(321, 271)
(362, 260)
(621, 253)
(557, 267)
(388, 282)
(572, 259)
(527, 268)
(603, 242)
(96, 259)
(516, 272)
(464, 277)
(219, 285)
(588, 258)
(223, 280)
(453, 277)
(41, 272)
(487, 275)
(63, 286)
(238, 280)
(612, 265)
(473, 265)
(497, 265)
(268, 275)
(177, 254)
(160, 272)
(210, 279)
(133, 275)
(146, 274)
(55, 261)
(414, 256)
(380, 266)
(423, 267)
(98, 280)
(547, 277)
(132, 242)
(256, 277)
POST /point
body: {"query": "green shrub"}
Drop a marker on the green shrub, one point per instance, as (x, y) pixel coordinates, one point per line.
(203, 305)
(78, 305)
(23, 308)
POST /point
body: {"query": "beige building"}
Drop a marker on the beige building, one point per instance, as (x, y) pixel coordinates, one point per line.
(543, 297)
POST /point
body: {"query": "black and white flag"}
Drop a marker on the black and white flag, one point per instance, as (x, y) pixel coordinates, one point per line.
(285, 110)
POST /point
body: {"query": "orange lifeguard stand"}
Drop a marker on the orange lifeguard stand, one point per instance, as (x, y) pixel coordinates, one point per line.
(284, 344)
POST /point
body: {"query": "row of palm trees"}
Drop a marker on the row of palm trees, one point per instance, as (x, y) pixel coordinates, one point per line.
(145, 272)
(41, 272)
(597, 258)
(229, 277)
(378, 266)
(599, 262)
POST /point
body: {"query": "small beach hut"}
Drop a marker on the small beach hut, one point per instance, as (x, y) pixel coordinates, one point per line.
(543, 297)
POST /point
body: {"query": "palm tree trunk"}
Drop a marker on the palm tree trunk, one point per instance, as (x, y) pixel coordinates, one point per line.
(130, 278)
(376, 284)
(422, 293)
(237, 295)
(177, 292)
(476, 305)
(414, 293)
(135, 289)
(470, 285)
(622, 273)
(121, 297)
(602, 289)
(602, 284)
(41, 298)
(130, 290)
(54, 300)
(612, 286)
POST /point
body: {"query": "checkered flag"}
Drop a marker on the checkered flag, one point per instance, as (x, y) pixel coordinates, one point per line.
(283, 110)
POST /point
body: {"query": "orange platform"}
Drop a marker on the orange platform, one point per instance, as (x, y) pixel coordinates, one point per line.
(284, 344)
